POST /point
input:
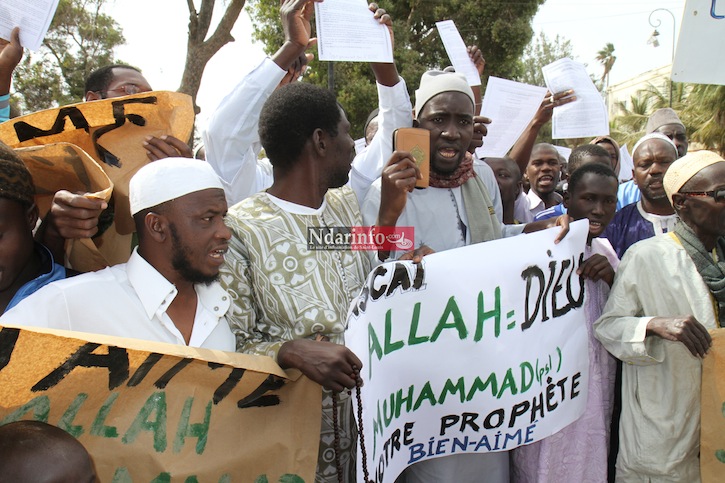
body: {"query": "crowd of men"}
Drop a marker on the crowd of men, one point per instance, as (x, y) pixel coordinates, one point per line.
(655, 256)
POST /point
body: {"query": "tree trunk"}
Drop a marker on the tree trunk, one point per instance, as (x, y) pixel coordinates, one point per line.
(200, 49)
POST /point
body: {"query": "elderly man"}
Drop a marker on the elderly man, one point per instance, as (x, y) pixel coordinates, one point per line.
(167, 292)
(664, 299)
(653, 214)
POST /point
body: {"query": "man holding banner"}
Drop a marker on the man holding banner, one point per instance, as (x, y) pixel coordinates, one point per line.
(167, 292)
(667, 294)
(455, 211)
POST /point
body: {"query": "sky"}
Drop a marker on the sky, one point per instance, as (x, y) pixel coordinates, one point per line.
(156, 35)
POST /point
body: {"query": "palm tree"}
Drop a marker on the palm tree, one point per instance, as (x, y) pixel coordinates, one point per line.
(607, 58)
(704, 115)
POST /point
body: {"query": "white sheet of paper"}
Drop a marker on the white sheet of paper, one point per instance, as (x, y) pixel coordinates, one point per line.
(347, 31)
(32, 16)
(585, 117)
(457, 53)
(626, 165)
(510, 106)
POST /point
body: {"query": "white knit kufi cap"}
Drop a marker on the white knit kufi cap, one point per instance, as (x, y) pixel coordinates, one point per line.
(682, 170)
(169, 178)
(654, 135)
(435, 82)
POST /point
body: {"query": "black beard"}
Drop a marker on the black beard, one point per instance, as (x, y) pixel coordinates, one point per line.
(180, 262)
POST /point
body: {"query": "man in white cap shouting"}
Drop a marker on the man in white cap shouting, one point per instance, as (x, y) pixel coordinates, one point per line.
(168, 290)
(668, 292)
(456, 210)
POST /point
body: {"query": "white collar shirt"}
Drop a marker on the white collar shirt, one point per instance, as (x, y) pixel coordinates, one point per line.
(127, 300)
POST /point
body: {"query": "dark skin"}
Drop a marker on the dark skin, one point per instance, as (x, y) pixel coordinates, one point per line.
(75, 215)
(320, 167)
(198, 219)
(19, 262)
(678, 135)
(521, 151)
(706, 217)
(449, 117)
(595, 199)
(508, 178)
(651, 161)
(41, 453)
(10, 55)
(543, 173)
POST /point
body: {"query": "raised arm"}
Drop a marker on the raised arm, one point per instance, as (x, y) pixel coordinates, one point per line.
(395, 111)
(521, 152)
(10, 55)
(231, 139)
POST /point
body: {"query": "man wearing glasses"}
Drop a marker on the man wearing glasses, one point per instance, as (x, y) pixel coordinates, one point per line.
(668, 291)
(119, 80)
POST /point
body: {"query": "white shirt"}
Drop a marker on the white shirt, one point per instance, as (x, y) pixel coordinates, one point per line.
(660, 423)
(127, 300)
(522, 213)
(536, 204)
(232, 141)
(438, 213)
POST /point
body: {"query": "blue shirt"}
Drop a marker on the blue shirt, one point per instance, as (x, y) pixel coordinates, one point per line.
(631, 224)
(55, 272)
(627, 193)
(552, 212)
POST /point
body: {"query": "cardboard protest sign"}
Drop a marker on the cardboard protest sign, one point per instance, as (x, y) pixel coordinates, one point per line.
(158, 412)
(111, 131)
(63, 166)
(483, 348)
(712, 413)
(66, 166)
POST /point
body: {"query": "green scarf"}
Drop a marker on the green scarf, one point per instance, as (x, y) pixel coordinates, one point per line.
(712, 273)
(482, 221)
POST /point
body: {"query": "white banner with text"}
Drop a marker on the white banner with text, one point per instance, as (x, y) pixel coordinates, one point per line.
(478, 349)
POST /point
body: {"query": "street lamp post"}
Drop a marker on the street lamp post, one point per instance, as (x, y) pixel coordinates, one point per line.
(655, 42)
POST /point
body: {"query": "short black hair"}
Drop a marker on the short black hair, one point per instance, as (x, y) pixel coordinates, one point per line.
(576, 158)
(593, 168)
(290, 116)
(99, 79)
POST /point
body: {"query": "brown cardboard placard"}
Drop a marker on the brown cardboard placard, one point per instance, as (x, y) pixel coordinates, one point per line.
(712, 413)
(149, 411)
(112, 132)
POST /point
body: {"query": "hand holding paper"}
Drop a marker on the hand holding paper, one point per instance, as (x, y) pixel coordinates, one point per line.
(584, 118)
(32, 16)
(347, 31)
(458, 53)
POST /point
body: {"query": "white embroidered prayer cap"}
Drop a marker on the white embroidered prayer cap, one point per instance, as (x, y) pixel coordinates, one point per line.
(436, 82)
(682, 170)
(169, 178)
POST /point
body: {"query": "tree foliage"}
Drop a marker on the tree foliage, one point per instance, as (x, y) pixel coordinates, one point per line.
(607, 58)
(705, 114)
(499, 28)
(80, 39)
(540, 52)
